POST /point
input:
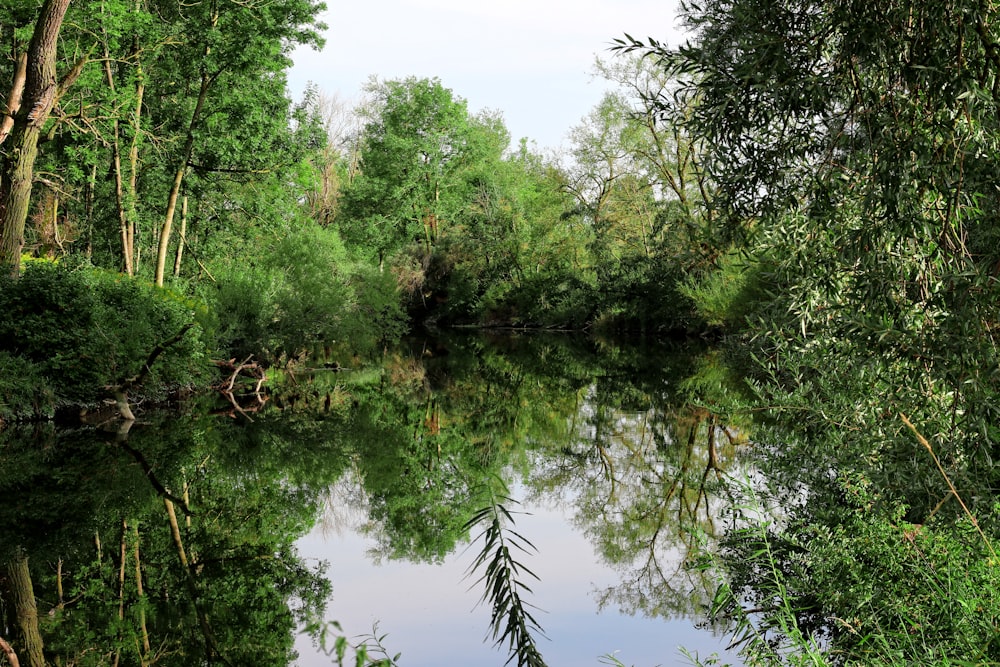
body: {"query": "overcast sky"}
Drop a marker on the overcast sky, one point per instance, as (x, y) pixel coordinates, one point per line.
(529, 59)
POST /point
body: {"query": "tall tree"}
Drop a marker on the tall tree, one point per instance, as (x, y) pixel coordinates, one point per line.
(413, 149)
(33, 93)
(227, 73)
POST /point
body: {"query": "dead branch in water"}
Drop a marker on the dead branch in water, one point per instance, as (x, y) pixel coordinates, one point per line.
(246, 368)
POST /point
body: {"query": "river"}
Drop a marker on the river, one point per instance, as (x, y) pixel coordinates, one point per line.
(351, 496)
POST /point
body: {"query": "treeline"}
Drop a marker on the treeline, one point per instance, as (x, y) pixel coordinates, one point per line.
(604, 233)
(156, 140)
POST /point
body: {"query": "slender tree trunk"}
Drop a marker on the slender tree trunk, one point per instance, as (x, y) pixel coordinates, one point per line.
(131, 196)
(211, 650)
(140, 593)
(121, 588)
(175, 189)
(19, 599)
(14, 98)
(8, 651)
(18, 164)
(182, 238)
(116, 168)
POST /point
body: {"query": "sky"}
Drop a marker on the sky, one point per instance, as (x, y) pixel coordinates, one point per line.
(532, 60)
(432, 614)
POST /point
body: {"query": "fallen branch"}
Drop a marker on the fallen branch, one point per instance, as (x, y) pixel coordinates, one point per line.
(246, 368)
(121, 390)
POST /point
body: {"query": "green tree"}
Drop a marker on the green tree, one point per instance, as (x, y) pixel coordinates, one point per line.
(33, 92)
(227, 88)
(635, 175)
(414, 148)
(853, 148)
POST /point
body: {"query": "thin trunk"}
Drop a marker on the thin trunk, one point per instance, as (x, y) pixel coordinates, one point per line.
(131, 197)
(121, 588)
(139, 592)
(8, 651)
(59, 585)
(37, 99)
(14, 98)
(175, 188)
(183, 237)
(116, 162)
(210, 646)
(55, 226)
(121, 571)
(89, 210)
(19, 599)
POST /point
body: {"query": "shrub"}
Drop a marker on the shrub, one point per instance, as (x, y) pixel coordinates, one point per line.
(302, 292)
(70, 333)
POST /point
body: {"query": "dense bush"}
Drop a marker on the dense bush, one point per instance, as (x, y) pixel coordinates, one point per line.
(68, 333)
(300, 292)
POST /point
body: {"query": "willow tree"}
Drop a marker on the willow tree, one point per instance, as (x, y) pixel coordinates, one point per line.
(854, 147)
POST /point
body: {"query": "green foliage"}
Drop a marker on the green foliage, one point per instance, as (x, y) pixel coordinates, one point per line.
(86, 498)
(504, 584)
(856, 583)
(24, 392)
(413, 149)
(300, 292)
(365, 652)
(725, 295)
(83, 330)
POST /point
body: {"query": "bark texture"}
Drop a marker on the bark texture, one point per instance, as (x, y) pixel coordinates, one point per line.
(20, 147)
(19, 600)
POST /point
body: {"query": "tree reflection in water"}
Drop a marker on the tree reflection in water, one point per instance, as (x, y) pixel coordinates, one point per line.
(648, 487)
(196, 515)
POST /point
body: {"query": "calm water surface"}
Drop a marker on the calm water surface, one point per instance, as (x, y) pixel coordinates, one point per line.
(197, 534)
(615, 478)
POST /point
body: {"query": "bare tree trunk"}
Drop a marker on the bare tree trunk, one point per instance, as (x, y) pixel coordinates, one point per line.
(14, 98)
(183, 237)
(131, 197)
(8, 651)
(37, 99)
(19, 599)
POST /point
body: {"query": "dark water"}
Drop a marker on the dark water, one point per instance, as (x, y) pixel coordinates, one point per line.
(346, 497)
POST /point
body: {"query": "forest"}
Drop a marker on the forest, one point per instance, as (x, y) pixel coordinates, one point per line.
(808, 185)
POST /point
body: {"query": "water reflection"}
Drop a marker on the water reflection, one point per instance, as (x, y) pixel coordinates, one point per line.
(159, 544)
(177, 540)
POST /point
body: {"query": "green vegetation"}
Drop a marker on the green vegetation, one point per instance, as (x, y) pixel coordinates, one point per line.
(812, 183)
(850, 149)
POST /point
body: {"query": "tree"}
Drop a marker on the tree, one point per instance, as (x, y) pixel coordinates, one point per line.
(414, 146)
(854, 149)
(228, 75)
(32, 95)
(635, 175)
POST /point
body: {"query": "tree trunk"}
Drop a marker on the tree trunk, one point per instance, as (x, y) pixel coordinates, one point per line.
(183, 237)
(18, 164)
(19, 599)
(175, 189)
(140, 593)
